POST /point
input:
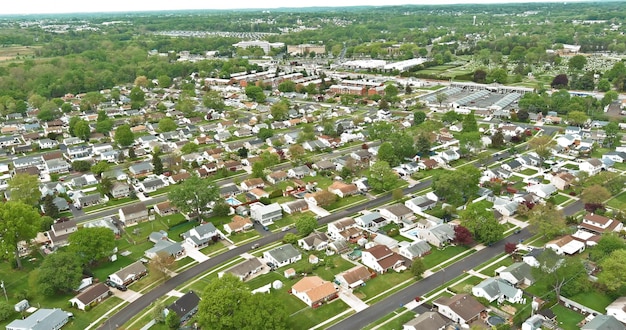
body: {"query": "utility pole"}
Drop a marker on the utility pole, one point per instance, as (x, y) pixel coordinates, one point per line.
(4, 289)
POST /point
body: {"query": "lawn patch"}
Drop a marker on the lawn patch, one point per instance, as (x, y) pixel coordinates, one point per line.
(438, 256)
(567, 318)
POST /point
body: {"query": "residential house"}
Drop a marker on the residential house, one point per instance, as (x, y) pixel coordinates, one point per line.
(351, 278)
(461, 308)
(505, 206)
(342, 228)
(603, 322)
(438, 235)
(397, 213)
(78, 152)
(566, 245)
(129, 274)
(342, 189)
(295, 206)
(371, 221)
(233, 165)
(41, 319)
(513, 165)
(151, 185)
(133, 213)
(252, 183)
(420, 204)
(244, 269)
(165, 208)
(427, 164)
(616, 156)
(531, 257)
(60, 231)
(315, 241)
(184, 307)
(497, 289)
(517, 273)
(229, 190)
(325, 165)
(428, 320)
(238, 224)
(265, 214)
(562, 180)
(120, 190)
(202, 235)
(313, 146)
(414, 249)
(534, 322)
(282, 255)
(300, 172)
(47, 143)
(140, 169)
(449, 155)
(543, 190)
(381, 259)
(591, 166)
(93, 295)
(81, 200)
(276, 177)
(617, 309)
(314, 291)
(600, 224)
(106, 222)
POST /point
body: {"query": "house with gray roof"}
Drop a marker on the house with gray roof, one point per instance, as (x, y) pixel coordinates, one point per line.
(129, 274)
(142, 168)
(517, 273)
(244, 269)
(497, 289)
(282, 255)
(184, 307)
(42, 319)
(601, 322)
(427, 320)
(133, 213)
(151, 185)
(202, 235)
(300, 172)
(315, 241)
(166, 246)
(438, 235)
(414, 249)
(372, 221)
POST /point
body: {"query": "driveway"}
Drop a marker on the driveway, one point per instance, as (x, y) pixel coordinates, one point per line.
(194, 254)
(128, 295)
(353, 301)
(318, 211)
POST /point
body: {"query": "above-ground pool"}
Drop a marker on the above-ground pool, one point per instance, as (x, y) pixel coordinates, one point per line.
(494, 320)
(232, 201)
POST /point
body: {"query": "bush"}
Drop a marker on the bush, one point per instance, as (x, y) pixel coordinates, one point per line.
(276, 193)
(87, 308)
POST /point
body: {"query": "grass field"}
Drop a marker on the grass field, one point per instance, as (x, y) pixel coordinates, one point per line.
(381, 283)
(618, 202)
(437, 256)
(567, 318)
(10, 53)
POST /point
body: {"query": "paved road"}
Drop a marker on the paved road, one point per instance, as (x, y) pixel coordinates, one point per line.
(396, 300)
(140, 304)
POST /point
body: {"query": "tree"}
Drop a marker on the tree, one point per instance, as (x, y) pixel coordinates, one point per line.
(325, 198)
(167, 125)
(542, 145)
(255, 93)
(194, 196)
(59, 272)
(577, 62)
(383, 105)
(457, 187)
(613, 274)
(418, 268)
(604, 85)
(595, 194)
(280, 110)
(6, 311)
(221, 208)
(509, 248)
(469, 123)
(382, 177)
(124, 136)
(189, 147)
(290, 238)
(418, 117)
(462, 236)
(287, 86)
(480, 76)
(131, 153)
(106, 185)
(49, 208)
(381, 130)
(306, 224)
(161, 265)
(481, 223)
(137, 98)
(172, 320)
(104, 126)
(386, 153)
(422, 145)
(560, 81)
(546, 220)
(556, 271)
(18, 222)
(227, 303)
(498, 75)
(397, 194)
(164, 81)
(296, 154)
(265, 133)
(100, 167)
(213, 100)
(23, 187)
(92, 244)
(497, 140)
(81, 165)
(157, 163)
(607, 244)
(440, 98)
(82, 130)
(577, 118)
(609, 97)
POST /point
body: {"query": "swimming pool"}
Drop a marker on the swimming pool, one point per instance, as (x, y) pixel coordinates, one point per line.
(232, 201)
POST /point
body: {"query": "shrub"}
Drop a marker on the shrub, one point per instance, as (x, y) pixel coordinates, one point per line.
(87, 308)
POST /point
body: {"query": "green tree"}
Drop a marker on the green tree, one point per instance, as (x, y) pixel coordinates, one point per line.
(607, 244)
(612, 134)
(213, 100)
(124, 136)
(189, 147)
(296, 154)
(24, 188)
(386, 153)
(255, 93)
(137, 97)
(613, 274)
(157, 163)
(542, 145)
(382, 177)
(81, 165)
(106, 185)
(306, 224)
(6, 311)
(280, 110)
(194, 196)
(104, 126)
(49, 208)
(82, 130)
(287, 86)
(258, 170)
(577, 62)
(100, 167)
(457, 187)
(161, 265)
(498, 75)
(595, 194)
(440, 98)
(481, 222)
(265, 133)
(609, 97)
(92, 244)
(290, 238)
(59, 272)
(577, 118)
(172, 320)
(165, 81)
(604, 85)
(221, 208)
(227, 303)
(497, 140)
(418, 117)
(18, 222)
(546, 220)
(423, 145)
(469, 123)
(418, 268)
(167, 125)
(381, 130)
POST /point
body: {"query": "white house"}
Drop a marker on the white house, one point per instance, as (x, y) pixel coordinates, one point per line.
(497, 289)
(381, 259)
(202, 235)
(566, 245)
(93, 295)
(266, 214)
(422, 203)
(461, 308)
(617, 309)
(543, 190)
(591, 166)
(335, 229)
(315, 241)
(129, 274)
(313, 290)
(282, 255)
(397, 213)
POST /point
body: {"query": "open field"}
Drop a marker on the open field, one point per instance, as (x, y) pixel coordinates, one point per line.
(10, 53)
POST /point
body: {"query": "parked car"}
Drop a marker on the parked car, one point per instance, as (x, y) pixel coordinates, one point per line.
(255, 246)
(265, 228)
(122, 287)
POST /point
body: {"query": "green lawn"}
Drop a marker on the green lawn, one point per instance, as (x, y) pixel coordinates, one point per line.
(438, 256)
(528, 171)
(594, 300)
(558, 199)
(490, 271)
(381, 283)
(567, 318)
(239, 237)
(397, 322)
(322, 181)
(469, 282)
(213, 248)
(343, 202)
(310, 317)
(618, 202)
(106, 269)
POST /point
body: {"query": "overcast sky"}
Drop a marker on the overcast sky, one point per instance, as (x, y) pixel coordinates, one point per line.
(71, 6)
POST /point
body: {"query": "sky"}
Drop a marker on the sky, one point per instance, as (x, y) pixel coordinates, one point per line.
(72, 6)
